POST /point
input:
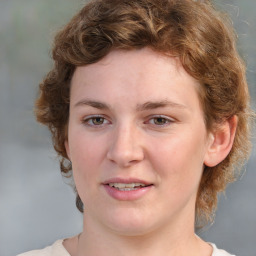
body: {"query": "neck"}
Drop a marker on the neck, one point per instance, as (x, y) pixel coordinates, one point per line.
(178, 239)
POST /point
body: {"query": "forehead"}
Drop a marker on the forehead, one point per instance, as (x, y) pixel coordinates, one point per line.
(135, 75)
(142, 61)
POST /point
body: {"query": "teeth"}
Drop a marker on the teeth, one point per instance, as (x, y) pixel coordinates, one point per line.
(126, 186)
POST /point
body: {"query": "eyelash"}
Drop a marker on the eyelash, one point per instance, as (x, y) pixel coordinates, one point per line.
(89, 121)
(167, 120)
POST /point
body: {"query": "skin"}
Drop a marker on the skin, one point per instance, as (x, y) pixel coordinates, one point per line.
(136, 114)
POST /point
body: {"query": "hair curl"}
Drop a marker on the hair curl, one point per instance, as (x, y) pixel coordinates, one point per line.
(199, 35)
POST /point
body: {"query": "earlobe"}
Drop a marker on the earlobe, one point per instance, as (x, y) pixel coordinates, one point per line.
(221, 142)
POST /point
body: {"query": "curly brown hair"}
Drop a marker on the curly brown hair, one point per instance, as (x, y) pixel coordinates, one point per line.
(194, 31)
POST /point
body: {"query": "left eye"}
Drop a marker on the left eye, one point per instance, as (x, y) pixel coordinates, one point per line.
(160, 121)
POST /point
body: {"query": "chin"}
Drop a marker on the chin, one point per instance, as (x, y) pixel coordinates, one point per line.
(130, 223)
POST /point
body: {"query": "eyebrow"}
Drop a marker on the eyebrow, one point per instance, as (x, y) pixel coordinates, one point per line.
(149, 105)
(159, 104)
(92, 103)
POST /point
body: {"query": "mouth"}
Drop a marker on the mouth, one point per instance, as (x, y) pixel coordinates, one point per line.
(127, 189)
(127, 186)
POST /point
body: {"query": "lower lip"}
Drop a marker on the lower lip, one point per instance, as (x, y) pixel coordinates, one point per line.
(127, 195)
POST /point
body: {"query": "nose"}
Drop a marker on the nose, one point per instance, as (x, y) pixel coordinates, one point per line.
(125, 148)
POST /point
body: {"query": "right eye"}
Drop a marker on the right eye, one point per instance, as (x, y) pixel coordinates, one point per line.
(95, 121)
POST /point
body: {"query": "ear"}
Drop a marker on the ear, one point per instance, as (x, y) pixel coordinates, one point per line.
(220, 142)
(67, 149)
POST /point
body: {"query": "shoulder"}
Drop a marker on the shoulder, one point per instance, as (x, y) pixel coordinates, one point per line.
(219, 252)
(57, 249)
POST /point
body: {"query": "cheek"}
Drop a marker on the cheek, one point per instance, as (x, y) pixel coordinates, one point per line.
(179, 164)
(87, 155)
(179, 159)
(85, 148)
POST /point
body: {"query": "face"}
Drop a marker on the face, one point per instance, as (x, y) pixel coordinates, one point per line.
(137, 141)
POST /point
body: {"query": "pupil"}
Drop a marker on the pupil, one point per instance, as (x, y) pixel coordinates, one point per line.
(98, 120)
(160, 120)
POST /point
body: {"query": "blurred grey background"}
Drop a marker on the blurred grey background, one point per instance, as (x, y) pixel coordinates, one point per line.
(36, 206)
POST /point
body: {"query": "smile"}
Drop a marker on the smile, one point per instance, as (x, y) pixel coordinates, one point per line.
(127, 189)
(127, 186)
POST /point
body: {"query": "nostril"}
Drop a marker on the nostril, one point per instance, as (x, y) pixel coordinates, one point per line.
(125, 159)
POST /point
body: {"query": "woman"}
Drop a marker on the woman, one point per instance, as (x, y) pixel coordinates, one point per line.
(149, 110)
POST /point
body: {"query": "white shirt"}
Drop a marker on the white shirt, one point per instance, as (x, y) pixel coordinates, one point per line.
(57, 249)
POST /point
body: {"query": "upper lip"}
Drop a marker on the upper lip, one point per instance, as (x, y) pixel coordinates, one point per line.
(126, 181)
